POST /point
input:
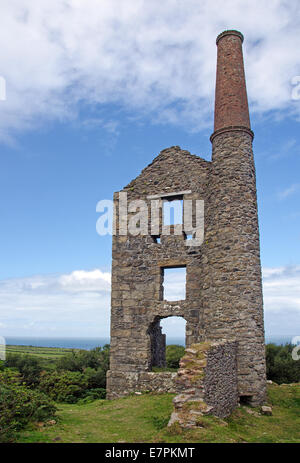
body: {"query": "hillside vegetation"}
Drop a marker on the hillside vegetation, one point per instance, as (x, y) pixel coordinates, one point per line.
(52, 394)
(144, 418)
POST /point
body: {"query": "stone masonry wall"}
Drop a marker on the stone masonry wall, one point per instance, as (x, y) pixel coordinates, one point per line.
(232, 286)
(220, 378)
(208, 378)
(120, 383)
(158, 345)
(137, 304)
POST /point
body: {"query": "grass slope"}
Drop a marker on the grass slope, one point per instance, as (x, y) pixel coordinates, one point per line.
(144, 419)
(42, 352)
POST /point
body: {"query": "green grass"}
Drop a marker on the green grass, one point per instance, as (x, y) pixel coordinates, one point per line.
(47, 355)
(43, 352)
(144, 419)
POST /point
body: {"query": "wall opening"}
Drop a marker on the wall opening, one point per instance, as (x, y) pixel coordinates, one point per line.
(167, 343)
(173, 283)
(174, 329)
(245, 399)
(173, 211)
(156, 239)
(189, 236)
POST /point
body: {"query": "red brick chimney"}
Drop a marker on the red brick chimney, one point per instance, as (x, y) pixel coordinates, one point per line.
(231, 103)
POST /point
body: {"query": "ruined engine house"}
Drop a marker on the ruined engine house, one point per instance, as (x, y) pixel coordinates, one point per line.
(223, 271)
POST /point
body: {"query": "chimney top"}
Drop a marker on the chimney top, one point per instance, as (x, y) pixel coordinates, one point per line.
(231, 102)
(230, 32)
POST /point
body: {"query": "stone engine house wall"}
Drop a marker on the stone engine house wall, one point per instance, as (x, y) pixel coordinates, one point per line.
(208, 378)
(136, 302)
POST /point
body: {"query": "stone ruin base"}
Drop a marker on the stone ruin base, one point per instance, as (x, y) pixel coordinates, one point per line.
(208, 377)
(121, 383)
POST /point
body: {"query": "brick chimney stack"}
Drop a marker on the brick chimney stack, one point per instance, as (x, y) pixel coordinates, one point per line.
(231, 103)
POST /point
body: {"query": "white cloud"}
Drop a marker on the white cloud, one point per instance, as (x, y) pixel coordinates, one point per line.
(174, 327)
(174, 284)
(80, 280)
(282, 289)
(152, 57)
(72, 304)
(289, 191)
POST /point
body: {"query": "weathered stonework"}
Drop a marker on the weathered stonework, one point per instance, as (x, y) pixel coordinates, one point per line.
(232, 287)
(208, 378)
(129, 382)
(223, 275)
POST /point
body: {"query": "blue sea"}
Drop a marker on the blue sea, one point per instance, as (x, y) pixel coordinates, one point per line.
(69, 343)
(90, 343)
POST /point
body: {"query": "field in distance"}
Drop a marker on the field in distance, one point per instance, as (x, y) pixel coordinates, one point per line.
(43, 352)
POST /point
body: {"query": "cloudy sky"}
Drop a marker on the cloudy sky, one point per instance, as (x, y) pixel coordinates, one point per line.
(94, 90)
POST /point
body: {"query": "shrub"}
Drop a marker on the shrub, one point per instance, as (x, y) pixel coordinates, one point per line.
(20, 405)
(29, 367)
(281, 367)
(173, 354)
(95, 378)
(63, 386)
(80, 360)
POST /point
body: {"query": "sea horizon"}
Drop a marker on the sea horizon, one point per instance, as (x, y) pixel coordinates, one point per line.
(76, 342)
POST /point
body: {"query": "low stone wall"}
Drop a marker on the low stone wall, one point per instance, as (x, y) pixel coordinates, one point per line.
(208, 377)
(127, 382)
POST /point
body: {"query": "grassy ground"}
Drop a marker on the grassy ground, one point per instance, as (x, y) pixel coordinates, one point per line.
(42, 352)
(47, 355)
(144, 419)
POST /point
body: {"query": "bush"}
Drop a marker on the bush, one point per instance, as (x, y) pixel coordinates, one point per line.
(281, 368)
(76, 373)
(20, 405)
(80, 360)
(173, 354)
(63, 386)
(29, 367)
(95, 378)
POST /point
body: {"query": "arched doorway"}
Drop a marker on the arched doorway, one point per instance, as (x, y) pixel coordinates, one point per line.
(167, 342)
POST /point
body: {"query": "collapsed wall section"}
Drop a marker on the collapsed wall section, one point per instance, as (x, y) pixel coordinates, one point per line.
(208, 377)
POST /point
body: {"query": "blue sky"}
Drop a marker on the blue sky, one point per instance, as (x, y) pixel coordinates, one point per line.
(93, 94)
